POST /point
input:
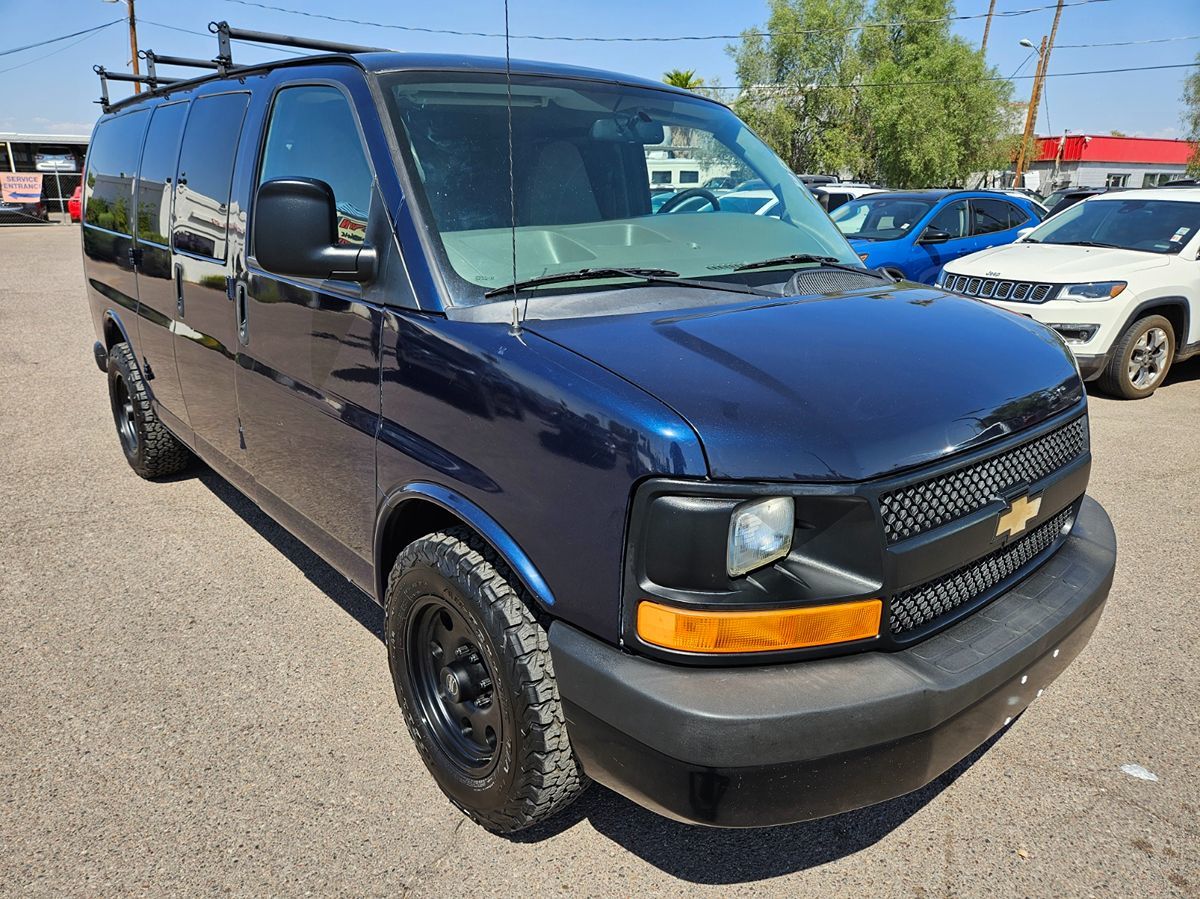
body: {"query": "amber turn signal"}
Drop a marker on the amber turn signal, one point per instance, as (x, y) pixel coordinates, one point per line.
(762, 631)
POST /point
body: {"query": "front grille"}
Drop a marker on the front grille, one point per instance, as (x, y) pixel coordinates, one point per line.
(929, 504)
(921, 605)
(989, 288)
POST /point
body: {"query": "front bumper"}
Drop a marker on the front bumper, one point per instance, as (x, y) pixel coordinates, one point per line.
(775, 744)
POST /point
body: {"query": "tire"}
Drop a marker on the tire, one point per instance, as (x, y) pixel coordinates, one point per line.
(150, 449)
(1147, 346)
(452, 607)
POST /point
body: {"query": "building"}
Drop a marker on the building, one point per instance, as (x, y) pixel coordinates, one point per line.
(59, 158)
(1087, 160)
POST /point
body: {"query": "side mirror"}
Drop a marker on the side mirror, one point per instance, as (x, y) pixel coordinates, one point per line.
(933, 235)
(295, 233)
(1023, 233)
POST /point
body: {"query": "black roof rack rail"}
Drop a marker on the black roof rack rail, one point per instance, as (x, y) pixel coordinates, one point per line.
(226, 33)
(222, 64)
(157, 59)
(153, 81)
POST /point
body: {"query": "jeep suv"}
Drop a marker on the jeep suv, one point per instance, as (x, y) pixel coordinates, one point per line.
(1117, 276)
(688, 503)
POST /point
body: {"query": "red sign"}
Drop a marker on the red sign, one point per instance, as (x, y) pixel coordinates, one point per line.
(20, 187)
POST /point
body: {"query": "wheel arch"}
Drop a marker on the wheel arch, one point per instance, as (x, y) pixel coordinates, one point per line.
(114, 330)
(421, 508)
(1173, 308)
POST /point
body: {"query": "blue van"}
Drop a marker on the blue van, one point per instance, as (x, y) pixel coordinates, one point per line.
(912, 234)
(689, 503)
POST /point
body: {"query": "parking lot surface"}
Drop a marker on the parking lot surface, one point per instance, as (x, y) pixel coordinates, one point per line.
(191, 702)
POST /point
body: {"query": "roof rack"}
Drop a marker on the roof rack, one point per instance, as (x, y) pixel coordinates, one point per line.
(226, 33)
(222, 64)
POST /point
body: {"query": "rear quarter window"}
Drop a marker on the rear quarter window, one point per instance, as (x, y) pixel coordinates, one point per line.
(112, 165)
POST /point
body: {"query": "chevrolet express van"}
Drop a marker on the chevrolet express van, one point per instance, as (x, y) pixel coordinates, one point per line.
(688, 503)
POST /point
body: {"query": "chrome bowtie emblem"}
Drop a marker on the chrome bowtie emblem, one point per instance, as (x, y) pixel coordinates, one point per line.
(1020, 512)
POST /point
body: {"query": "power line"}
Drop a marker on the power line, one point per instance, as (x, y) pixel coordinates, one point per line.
(1153, 40)
(645, 39)
(787, 89)
(30, 62)
(61, 37)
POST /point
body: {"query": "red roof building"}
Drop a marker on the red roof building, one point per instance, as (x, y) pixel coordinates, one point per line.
(1095, 160)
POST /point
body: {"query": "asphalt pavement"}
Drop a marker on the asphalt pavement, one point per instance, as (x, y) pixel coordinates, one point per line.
(191, 702)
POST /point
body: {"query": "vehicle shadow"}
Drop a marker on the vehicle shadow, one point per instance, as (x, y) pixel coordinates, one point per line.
(319, 572)
(700, 855)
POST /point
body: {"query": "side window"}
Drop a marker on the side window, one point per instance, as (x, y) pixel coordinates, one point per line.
(952, 219)
(210, 142)
(112, 163)
(1016, 216)
(157, 172)
(313, 135)
(990, 216)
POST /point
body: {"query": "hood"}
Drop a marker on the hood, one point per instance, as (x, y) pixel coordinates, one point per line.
(1056, 264)
(837, 388)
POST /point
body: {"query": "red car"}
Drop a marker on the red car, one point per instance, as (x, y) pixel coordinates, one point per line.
(75, 204)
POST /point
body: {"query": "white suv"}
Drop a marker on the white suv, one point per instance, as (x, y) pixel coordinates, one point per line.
(1116, 276)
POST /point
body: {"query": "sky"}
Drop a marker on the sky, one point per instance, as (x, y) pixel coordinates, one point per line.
(51, 88)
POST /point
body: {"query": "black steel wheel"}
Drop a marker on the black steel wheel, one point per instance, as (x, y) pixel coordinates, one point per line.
(472, 670)
(123, 415)
(453, 686)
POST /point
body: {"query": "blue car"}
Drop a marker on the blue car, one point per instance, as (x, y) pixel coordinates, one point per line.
(911, 235)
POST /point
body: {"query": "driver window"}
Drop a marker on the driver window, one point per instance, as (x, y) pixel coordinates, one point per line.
(952, 219)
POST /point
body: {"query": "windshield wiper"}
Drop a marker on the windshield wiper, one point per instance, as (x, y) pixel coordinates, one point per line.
(802, 258)
(1083, 243)
(643, 275)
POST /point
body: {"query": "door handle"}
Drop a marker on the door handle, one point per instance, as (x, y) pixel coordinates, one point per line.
(179, 289)
(243, 327)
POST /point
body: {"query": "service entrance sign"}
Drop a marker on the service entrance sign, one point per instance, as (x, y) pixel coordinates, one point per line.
(20, 187)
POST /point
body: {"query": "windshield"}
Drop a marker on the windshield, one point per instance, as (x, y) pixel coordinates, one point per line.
(880, 217)
(590, 163)
(1151, 226)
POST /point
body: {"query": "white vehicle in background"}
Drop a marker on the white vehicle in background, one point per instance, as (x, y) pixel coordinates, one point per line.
(1117, 276)
(831, 196)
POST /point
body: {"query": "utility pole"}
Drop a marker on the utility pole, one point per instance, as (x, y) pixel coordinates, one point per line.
(1031, 114)
(987, 26)
(133, 51)
(1039, 80)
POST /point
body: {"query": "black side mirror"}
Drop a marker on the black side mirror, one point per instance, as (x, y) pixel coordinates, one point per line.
(295, 233)
(934, 235)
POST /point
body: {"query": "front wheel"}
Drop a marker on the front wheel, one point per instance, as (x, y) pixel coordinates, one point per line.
(472, 672)
(151, 450)
(1140, 359)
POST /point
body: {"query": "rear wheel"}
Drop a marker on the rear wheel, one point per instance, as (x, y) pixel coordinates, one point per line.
(150, 449)
(472, 671)
(1140, 359)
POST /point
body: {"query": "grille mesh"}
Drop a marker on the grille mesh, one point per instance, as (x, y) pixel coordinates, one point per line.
(830, 281)
(929, 504)
(923, 604)
(1017, 291)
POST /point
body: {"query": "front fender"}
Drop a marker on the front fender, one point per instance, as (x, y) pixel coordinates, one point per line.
(472, 516)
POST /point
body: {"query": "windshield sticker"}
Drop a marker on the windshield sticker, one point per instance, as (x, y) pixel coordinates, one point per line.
(1180, 234)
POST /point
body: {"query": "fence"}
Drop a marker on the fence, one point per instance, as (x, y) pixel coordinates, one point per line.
(57, 189)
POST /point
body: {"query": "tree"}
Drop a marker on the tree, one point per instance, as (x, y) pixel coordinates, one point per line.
(904, 104)
(1191, 117)
(684, 78)
(794, 84)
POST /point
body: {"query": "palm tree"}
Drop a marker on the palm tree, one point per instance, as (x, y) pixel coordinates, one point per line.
(686, 79)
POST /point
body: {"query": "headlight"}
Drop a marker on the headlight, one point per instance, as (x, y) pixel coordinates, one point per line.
(1091, 292)
(760, 532)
